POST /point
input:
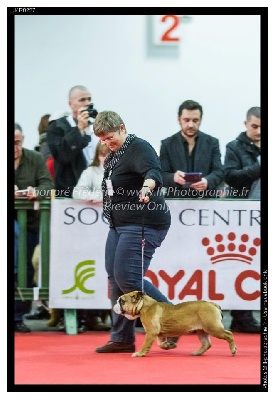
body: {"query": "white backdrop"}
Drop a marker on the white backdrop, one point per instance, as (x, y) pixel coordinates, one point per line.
(217, 64)
(211, 252)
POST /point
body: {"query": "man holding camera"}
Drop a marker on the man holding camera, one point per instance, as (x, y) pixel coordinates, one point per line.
(72, 142)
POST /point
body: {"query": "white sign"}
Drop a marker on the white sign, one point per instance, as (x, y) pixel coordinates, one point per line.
(211, 252)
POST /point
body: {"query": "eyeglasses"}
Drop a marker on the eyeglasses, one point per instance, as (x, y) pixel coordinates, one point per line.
(109, 139)
(18, 143)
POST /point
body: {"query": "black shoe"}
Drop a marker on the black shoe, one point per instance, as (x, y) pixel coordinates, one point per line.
(116, 347)
(21, 327)
(40, 313)
(96, 324)
(245, 327)
(81, 327)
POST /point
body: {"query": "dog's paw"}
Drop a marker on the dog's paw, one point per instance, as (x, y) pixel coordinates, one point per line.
(234, 352)
(197, 352)
(167, 345)
(138, 354)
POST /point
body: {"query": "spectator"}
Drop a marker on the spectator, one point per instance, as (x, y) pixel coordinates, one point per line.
(43, 147)
(242, 163)
(242, 173)
(42, 310)
(191, 150)
(32, 175)
(132, 175)
(71, 143)
(89, 187)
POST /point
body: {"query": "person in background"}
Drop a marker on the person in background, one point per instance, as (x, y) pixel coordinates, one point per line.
(191, 150)
(89, 188)
(71, 143)
(242, 167)
(31, 175)
(132, 181)
(89, 185)
(43, 147)
(242, 163)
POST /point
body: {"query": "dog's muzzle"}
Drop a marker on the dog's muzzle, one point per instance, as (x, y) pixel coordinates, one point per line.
(118, 308)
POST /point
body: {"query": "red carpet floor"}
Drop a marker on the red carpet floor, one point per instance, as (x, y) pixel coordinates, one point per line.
(54, 358)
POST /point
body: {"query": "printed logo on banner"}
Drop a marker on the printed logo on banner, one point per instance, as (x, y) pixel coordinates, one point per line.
(81, 275)
(231, 248)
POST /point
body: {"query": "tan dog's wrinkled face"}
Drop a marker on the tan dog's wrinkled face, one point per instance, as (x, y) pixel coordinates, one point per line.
(130, 304)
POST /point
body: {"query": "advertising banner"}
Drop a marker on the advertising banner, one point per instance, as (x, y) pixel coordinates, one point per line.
(211, 252)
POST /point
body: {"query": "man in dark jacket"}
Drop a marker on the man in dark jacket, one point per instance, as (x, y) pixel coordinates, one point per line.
(30, 174)
(191, 150)
(242, 173)
(72, 142)
(242, 164)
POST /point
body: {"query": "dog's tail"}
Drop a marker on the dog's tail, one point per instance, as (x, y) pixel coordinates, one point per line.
(220, 310)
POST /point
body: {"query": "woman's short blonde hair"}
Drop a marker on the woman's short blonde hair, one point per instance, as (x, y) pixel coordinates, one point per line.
(107, 121)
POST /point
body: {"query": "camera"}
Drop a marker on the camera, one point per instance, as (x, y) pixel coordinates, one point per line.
(92, 111)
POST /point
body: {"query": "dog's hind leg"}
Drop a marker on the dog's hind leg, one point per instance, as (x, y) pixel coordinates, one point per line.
(205, 342)
(222, 333)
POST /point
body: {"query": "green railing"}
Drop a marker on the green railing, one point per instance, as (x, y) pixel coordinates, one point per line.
(44, 206)
(22, 205)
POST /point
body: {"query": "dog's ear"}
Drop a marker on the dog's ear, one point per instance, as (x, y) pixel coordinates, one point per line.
(137, 300)
(139, 305)
(139, 295)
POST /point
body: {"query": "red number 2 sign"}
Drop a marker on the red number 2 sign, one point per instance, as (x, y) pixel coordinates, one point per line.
(166, 29)
(169, 32)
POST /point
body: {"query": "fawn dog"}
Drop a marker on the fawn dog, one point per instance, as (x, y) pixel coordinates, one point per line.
(164, 320)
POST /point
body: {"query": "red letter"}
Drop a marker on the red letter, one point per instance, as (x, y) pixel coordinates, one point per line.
(238, 285)
(212, 287)
(187, 290)
(151, 275)
(171, 281)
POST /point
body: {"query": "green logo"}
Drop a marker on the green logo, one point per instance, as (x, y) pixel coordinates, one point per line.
(81, 275)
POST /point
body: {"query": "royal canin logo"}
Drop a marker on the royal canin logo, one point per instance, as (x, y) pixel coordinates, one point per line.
(231, 247)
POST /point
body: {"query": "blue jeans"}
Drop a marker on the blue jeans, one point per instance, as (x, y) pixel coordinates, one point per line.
(123, 263)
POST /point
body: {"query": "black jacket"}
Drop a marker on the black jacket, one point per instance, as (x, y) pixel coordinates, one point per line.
(207, 159)
(32, 171)
(66, 144)
(241, 165)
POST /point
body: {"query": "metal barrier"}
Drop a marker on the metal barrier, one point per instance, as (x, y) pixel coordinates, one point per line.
(22, 205)
(44, 206)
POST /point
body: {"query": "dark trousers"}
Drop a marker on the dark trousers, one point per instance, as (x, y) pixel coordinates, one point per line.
(23, 307)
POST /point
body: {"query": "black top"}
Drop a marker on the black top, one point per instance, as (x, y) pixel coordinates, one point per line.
(32, 171)
(66, 144)
(138, 163)
(241, 164)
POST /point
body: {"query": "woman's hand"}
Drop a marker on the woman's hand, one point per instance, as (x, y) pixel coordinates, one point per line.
(145, 194)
